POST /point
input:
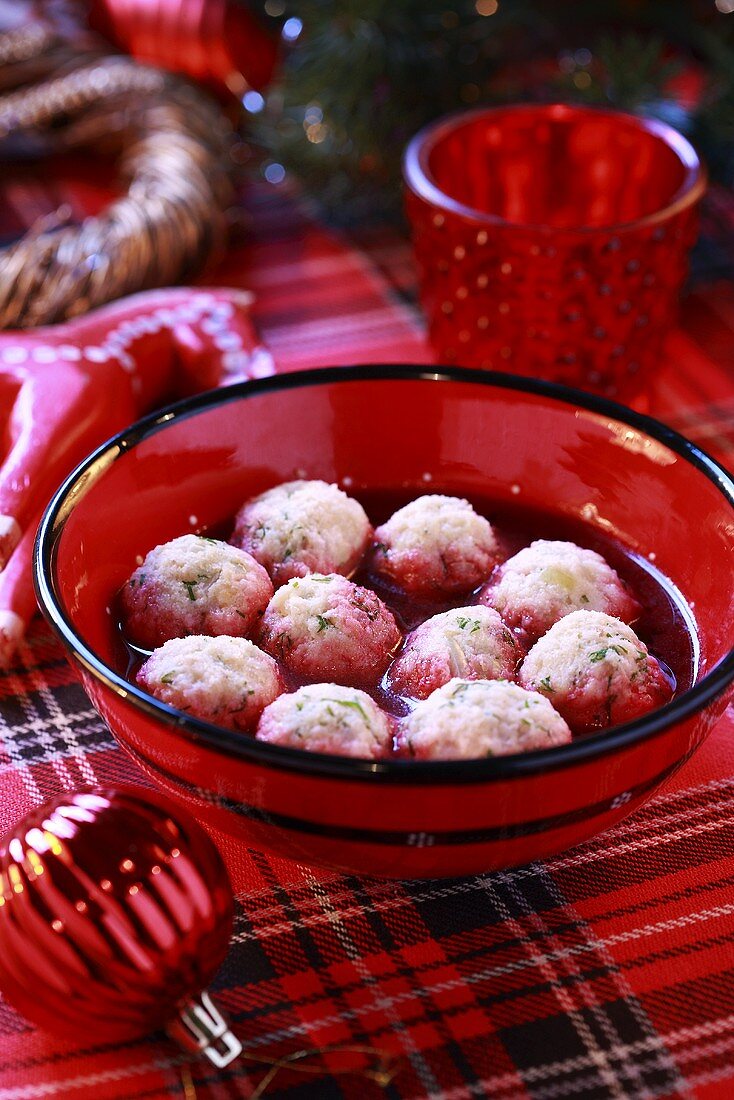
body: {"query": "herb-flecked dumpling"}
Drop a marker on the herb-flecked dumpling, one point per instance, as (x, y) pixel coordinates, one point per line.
(467, 642)
(549, 579)
(595, 671)
(435, 546)
(193, 585)
(328, 718)
(325, 628)
(469, 719)
(303, 527)
(227, 681)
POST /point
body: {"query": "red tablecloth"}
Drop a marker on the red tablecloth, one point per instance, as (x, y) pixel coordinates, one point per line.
(605, 972)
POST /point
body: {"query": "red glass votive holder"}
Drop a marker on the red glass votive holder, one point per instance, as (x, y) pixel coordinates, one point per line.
(552, 240)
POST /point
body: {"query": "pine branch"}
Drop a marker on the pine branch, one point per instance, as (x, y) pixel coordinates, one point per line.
(367, 74)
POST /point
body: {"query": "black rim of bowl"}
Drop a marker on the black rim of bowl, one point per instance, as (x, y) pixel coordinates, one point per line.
(391, 770)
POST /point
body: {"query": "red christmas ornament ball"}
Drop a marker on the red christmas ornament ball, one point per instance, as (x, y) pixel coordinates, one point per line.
(219, 42)
(115, 911)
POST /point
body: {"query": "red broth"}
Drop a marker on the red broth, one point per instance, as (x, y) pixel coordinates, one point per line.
(666, 624)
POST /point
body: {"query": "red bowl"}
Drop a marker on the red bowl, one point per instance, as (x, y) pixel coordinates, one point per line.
(465, 432)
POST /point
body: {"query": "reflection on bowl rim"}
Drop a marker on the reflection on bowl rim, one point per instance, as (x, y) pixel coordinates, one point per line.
(391, 770)
(420, 180)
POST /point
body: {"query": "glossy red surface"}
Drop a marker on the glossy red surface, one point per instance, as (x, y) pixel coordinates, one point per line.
(552, 240)
(115, 909)
(479, 436)
(67, 387)
(219, 42)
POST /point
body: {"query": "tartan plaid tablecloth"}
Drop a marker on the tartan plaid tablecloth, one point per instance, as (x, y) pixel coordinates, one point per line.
(605, 972)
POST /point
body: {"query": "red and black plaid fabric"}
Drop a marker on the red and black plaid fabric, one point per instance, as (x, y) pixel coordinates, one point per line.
(606, 972)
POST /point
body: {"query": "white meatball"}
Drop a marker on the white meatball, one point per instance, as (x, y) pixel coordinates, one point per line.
(328, 718)
(468, 642)
(327, 628)
(223, 680)
(435, 545)
(549, 579)
(303, 527)
(596, 671)
(465, 719)
(193, 585)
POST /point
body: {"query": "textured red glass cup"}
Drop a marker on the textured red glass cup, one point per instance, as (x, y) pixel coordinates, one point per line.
(552, 240)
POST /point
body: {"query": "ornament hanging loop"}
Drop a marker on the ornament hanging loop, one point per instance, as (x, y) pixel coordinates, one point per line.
(201, 1029)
